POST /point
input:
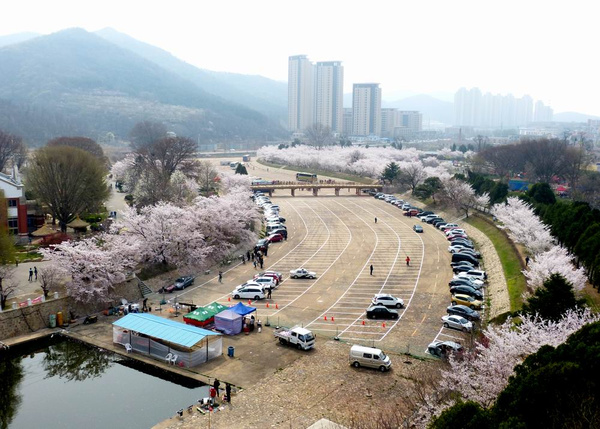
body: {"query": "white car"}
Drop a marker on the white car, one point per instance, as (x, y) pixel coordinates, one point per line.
(387, 300)
(469, 277)
(428, 217)
(302, 273)
(455, 231)
(265, 281)
(457, 322)
(455, 248)
(478, 274)
(449, 226)
(254, 292)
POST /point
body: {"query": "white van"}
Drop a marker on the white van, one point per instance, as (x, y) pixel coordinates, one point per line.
(249, 292)
(369, 357)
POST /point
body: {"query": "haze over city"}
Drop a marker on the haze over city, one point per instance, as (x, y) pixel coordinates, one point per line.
(436, 47)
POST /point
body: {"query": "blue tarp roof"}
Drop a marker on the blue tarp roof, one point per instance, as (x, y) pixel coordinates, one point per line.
(164, 329)
(242, 309)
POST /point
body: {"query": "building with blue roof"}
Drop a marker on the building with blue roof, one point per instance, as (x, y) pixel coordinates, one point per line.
(169, 340)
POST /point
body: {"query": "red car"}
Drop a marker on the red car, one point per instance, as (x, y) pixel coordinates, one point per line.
(411, 212)
(275, 238)
(274, 275)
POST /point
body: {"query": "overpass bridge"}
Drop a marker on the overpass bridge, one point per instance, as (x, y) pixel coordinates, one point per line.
(314, 187)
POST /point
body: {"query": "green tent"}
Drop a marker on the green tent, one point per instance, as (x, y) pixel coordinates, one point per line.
(203, 316)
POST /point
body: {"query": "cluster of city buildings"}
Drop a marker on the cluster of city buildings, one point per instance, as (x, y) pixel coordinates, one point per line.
(316, 97)
(474, 109)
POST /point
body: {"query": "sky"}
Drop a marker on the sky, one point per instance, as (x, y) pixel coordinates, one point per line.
(547, 49)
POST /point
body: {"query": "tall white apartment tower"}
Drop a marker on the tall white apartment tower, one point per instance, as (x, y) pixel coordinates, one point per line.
(366, 109)
(329, 95)
(300, 93)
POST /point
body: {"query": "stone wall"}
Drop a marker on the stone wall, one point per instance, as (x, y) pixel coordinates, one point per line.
(29, 319)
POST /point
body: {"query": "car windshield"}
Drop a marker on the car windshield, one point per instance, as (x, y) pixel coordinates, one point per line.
(382, 356)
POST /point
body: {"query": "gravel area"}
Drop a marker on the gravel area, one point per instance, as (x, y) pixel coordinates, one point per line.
(321, 384)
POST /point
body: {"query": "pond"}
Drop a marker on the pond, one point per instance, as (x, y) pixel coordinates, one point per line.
(58, 383)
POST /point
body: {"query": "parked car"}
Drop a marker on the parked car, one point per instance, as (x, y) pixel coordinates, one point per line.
(457, 322)
(428, 217)
(369, 357)
(462, 281)
(465, 242)
(276, 275)
(478, 274)
(458, 257)
(254, 292)
(454, 231)
(449, 226)
(436, 222)
(442, 349)
(267, 282)
(183, 282)
(457, 237)
(467, 290)
(302, 273)
(167, 288)
(417, 228)
(464, 311)
(434, 219)
(454, 248)
(281, 231)
(275, 238)
(462, 268)
(474, 278)
(424, 213)
(262, 245)
(467, 300)
(471, 252)
(457, 263)
(387, 300)
(381, 312)
(411, 212)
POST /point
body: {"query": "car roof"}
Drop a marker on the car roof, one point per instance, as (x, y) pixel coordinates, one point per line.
(379, 295)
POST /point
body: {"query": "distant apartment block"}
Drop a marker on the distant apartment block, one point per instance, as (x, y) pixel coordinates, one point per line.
(300, 93)
(366, 109)
(474, 109)
(16, 205)
(315, 94)
(347, 121)
(400, 123)
(542, 113)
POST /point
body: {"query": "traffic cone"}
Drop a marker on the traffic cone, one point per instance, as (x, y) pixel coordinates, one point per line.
(325, 318)
(276, 306)
(267, 305)
(363, 322)
(228, 299)
(249, 302)
(383, 325)
(332, 319)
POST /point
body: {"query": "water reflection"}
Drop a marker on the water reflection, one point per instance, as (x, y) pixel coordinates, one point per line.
(75, 362)
(11, 374)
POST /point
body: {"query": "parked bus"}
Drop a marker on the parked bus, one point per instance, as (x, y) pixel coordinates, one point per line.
(246, 158)
(306, 177)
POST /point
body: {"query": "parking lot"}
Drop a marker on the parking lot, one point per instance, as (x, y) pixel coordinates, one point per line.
(338, 238)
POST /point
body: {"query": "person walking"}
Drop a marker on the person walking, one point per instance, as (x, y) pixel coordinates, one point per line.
(254, 262)
(261, 263)
(228, 392)
(248, 255)
(266, 251)
(375, 219)
(35, 272)
(220, 276)
(407, 261)
(30, 274)
(269, 291)
(526, 260)
(216, 385)
(371, 269)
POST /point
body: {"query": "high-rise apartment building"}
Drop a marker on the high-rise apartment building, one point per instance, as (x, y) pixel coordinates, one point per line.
(347, 121)
(542, 113)
(400, 123)
(366, 109)
(329, 95)
(315, 94)
(491, 111)
(300, 93)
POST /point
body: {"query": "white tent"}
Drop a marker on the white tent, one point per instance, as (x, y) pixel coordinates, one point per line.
(228, 322)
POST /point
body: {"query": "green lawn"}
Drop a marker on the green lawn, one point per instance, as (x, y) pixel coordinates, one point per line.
(342, 176)
(509, 257)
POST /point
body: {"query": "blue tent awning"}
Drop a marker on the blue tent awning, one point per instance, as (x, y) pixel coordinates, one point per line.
(242, 309)
(163, 329)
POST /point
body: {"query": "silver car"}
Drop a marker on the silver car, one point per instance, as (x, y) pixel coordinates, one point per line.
(457, 322)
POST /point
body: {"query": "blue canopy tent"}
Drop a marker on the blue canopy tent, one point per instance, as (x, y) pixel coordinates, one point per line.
(242, 309)
(228, 322)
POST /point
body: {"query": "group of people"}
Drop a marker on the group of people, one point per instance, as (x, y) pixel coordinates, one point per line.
(33, 272)
(214, 392)
(248, 324)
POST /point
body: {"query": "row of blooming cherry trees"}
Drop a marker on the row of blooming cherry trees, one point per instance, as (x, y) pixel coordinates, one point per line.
(193, 237)
(525, 227)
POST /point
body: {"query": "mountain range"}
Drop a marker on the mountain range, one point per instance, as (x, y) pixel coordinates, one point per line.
(76, 82)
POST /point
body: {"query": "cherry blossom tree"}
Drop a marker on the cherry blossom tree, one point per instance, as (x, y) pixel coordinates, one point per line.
(94, 265)
(462, 196)
(411, 174)
(524, 225)
(481, 373)
(555, 260)
(7, 283)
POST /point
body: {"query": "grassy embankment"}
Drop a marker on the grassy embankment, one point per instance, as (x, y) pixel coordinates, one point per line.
(509, 258)
(343, 176)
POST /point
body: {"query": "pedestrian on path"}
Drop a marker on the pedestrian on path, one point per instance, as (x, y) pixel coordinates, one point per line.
(220, 276)
(216, 385)
(228, 392)
(526, 260)
(269, 291)
(407, 261)
(35, 272)
(261, 263)
(248, 255)
(243, 260)
(375, 219)
(254, 263)
(371, 269)
(30, 274)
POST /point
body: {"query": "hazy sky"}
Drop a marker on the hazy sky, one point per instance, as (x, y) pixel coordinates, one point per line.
(548, 49)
